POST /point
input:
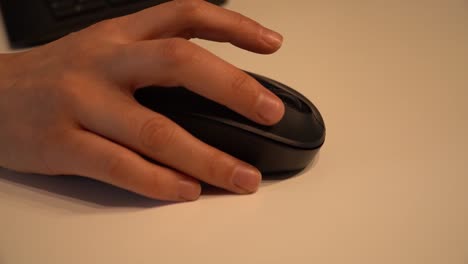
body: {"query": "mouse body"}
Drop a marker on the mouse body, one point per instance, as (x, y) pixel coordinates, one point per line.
(284, 148)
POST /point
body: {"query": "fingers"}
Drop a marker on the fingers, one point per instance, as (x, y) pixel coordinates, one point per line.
(172, 62)
(86, 154)
(178, 62)
(199, 19)
(157, 137)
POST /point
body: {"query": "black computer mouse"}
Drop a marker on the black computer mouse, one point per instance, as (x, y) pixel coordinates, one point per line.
(284, 148)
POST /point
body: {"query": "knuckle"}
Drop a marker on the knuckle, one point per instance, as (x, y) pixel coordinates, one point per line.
(64, 80)
(215, 167)
(242, 21)
(105, 31)
(114, 168)
(173, 47)
(157, 134)
(108, 27)
(242, 87)
(67, 89)
(178, 51)
(154, 187)
(189, 7)
(240, 83)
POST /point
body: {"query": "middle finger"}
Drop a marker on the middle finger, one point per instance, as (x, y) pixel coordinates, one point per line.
(155, 136)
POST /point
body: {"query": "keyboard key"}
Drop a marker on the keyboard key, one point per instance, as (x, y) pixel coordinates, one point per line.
(78, 7)
(119, 2)
(59, 4)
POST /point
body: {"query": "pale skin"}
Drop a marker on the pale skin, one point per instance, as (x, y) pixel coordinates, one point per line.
(67, 108)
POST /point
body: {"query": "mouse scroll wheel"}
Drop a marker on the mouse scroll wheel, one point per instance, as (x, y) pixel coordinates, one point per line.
(293, 102)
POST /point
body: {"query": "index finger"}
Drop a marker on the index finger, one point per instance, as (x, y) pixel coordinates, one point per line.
(199, 19)
(178, 62)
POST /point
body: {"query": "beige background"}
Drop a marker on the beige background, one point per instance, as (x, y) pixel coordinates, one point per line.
(390, 184)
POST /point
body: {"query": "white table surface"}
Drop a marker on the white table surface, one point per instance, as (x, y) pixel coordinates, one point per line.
(390, 184)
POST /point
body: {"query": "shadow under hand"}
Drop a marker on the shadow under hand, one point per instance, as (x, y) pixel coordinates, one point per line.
(79, 190)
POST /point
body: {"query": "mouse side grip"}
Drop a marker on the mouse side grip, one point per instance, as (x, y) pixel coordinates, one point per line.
(269, 156)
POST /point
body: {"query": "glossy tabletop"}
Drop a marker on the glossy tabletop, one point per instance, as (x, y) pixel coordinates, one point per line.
(390, 184)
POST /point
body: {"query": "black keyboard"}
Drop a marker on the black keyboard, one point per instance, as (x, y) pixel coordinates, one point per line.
(35, 22)
(69, 8)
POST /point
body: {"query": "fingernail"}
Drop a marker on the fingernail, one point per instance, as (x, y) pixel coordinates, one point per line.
(189, 191)
(247, 178)
(269, 108)
(272, 38)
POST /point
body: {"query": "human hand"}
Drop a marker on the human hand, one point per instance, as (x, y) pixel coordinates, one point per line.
(67, 108)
